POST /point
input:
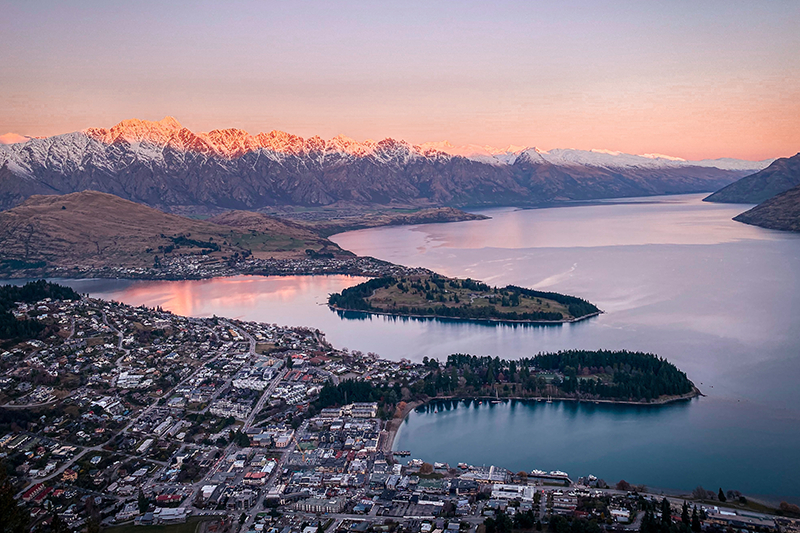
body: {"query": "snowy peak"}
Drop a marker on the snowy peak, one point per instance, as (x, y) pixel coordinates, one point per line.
(282, 142)
(230, 142)
(13, 138)
(662, 156)
(611, 159)
(345, 145)
(531, 156)
(137, 131)
(162, 163)
(475, 152)
(150, 138)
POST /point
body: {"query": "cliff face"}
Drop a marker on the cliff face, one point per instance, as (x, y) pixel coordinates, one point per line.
(780, 212)
(780, 176)
(170, 167)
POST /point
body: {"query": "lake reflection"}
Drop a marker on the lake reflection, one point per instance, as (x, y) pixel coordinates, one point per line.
(285, 300)
(677, 446)
(675, 276)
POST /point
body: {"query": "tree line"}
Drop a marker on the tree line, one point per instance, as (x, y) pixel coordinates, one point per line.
(352, 391)
(598, 374)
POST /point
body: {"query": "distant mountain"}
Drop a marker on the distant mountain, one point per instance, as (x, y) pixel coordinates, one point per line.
(779, 212)
(780, 176)
(94, 229)
(165, 165)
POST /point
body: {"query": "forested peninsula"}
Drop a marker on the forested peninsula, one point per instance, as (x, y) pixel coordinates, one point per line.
(437, 296)
(620, 376)
(585, 375)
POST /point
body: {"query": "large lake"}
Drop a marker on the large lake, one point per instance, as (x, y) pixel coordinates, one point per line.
(675, 276)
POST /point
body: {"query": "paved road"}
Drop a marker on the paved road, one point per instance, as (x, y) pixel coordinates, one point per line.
(276, 472)
(123, 431)
(264, 397)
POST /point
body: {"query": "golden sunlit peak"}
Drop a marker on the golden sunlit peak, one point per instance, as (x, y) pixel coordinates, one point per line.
(13, 138)
(171, 123)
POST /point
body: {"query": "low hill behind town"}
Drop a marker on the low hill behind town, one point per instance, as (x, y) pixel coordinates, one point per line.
(94, 229)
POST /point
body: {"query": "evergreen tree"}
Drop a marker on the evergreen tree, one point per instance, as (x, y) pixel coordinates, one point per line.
(649, 522)
(144, 503)
(14, 518)
(59, 526)
(696, 526)
(721, 496)
(92, 525)
(666, 515)
(686, 520)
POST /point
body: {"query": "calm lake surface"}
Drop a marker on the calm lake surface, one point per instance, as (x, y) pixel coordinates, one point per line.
(675, 276)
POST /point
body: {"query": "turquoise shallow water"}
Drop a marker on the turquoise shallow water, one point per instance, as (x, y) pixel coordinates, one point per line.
(674, 275)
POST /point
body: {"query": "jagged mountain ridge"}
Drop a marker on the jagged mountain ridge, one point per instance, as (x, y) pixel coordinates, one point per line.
(168, 166)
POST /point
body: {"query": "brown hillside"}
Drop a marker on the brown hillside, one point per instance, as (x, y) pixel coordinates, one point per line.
(97, 229)
(779, 212)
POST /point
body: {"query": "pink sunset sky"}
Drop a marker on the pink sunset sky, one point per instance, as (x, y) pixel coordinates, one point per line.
(690, 79)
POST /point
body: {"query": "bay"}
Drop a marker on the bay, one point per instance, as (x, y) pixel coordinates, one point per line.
(674, 275)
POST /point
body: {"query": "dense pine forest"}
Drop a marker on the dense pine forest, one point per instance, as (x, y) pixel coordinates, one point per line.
(577, 374)
(600, 374)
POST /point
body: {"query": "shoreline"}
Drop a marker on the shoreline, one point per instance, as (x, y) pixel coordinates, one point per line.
(393, 425)
(477, 320)
(186, 268)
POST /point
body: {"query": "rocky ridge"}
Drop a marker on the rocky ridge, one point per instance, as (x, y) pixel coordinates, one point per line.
(166, 165)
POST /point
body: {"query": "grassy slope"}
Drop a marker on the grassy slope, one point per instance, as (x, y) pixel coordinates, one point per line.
(273, 231)
(91, 228)
(395, 217)
(384, 298)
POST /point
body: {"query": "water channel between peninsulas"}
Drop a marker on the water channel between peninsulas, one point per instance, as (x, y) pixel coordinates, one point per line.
(674, 276)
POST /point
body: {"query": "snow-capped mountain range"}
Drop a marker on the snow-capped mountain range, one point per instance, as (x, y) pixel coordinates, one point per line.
(594, 158)
(169, 166)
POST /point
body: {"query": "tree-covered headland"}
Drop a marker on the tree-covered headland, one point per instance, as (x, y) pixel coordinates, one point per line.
(619, 376)
(437, 296)
(578, 374)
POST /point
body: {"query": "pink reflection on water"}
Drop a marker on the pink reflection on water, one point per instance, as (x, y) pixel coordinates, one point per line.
(241, 295)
